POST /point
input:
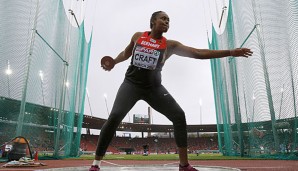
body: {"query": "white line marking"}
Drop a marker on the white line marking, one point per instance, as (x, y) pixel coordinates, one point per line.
(111, 163)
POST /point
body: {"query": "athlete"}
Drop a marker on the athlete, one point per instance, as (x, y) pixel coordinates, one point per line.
(148, 51)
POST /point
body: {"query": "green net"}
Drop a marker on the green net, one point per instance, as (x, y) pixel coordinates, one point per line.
(44, 64)
(256, 98)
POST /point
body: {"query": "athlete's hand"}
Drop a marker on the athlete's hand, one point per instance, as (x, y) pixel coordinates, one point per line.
(241, 52)
(107, 63)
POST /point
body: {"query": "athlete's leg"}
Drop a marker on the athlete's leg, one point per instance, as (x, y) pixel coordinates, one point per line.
(162, 101)
(126, 98)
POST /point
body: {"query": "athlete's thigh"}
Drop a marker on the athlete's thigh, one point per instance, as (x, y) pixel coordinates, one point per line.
(162, 101)
(126, 98)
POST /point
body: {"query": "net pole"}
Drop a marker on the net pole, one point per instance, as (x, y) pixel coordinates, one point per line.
(249, 35)
(61, 112)
(24, 93)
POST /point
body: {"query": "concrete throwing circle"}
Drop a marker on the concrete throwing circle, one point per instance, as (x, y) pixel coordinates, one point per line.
(142, 168)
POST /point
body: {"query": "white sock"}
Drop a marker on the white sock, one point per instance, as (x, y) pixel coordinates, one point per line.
(96, 162)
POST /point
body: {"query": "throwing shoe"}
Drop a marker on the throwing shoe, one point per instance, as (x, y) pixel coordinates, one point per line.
(94, 168)
(188, 167)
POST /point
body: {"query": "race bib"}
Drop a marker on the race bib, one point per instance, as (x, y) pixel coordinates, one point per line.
(145, 58)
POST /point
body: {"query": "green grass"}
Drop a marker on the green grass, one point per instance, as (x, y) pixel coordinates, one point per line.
(166, 157)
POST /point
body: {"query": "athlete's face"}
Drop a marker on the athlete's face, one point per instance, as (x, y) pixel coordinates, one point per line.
(162, 22)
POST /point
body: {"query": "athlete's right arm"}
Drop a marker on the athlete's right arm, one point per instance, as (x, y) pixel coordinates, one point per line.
(124, 55)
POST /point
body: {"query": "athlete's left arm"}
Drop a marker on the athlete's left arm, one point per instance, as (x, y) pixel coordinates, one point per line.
(177, 48)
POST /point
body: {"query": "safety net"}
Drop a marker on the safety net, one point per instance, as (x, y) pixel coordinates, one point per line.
(44, 64)
(256, 97)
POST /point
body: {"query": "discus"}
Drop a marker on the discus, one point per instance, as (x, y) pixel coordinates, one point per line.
(107, 62)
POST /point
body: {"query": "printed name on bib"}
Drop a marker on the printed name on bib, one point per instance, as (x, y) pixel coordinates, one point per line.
(145, 57)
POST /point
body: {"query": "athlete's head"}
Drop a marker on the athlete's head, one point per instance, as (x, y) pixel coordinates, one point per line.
(160, 20)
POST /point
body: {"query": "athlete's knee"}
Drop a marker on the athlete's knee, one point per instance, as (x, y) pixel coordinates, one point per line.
(112, 123)
(114, 118)
(180, 131)
(179, 118)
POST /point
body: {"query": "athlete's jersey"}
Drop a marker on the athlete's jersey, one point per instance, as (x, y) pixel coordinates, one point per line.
(147, 60)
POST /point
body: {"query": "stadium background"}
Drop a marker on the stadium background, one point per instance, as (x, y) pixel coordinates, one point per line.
(43, 100)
